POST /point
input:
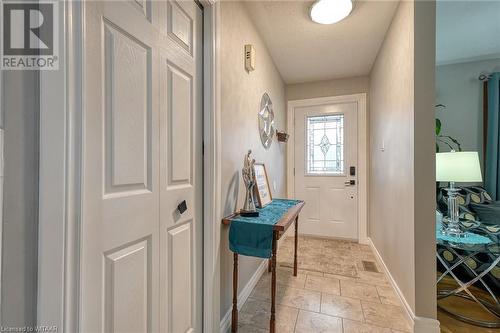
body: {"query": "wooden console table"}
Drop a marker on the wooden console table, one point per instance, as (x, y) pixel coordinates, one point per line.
(279, 228)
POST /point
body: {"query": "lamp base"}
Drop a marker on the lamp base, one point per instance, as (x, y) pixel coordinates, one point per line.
(451, 225)
(452, 228)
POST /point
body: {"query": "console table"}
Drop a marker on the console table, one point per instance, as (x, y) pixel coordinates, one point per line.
(279, 225)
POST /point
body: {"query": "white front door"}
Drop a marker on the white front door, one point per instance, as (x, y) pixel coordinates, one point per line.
(325, 158)
(141, 258)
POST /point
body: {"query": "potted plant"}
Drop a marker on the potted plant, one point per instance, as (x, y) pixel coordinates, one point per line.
(446, 140)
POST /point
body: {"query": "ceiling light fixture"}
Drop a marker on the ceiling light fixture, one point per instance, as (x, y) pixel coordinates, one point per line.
(330, 11)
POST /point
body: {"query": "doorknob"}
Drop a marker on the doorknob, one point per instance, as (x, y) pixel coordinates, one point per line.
(182, 207)
(350, 182)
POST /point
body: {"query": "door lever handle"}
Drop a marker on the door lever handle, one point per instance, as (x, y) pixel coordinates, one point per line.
(182, 207)
(350, 182)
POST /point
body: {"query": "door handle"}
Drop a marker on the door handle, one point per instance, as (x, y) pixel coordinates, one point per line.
(351, 182)
(182, 207)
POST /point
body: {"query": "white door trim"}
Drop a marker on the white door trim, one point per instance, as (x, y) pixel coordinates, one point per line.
(2, 151)
(60, 178)
(61, 121)
(362, 136)
(212, 214)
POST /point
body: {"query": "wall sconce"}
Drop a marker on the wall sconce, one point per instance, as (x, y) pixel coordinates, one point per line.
(282, 136)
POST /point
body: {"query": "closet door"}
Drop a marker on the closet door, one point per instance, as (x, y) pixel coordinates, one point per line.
(140, 257)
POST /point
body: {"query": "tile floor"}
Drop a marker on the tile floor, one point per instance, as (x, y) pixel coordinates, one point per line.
(331, 294)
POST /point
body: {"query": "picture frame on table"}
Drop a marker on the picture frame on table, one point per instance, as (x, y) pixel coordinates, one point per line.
(262, 188)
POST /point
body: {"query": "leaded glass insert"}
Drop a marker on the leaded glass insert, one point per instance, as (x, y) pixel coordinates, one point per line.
(325, 144)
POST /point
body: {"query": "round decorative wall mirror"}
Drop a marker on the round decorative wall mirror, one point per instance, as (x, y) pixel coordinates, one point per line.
(266, 121)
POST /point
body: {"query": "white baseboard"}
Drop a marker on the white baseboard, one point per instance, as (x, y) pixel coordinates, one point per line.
(406, 306)
(364, 241)
(225, 324)
(420, 324)
(426, 325)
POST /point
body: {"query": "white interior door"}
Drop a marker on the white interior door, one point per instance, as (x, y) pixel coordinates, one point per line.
(325, 174)
(141, 263)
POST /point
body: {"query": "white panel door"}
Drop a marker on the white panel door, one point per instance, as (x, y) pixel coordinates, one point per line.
(325, 157)
(181, 168)
(140, 258)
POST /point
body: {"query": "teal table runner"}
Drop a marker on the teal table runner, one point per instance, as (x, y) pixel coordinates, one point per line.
(470, 239)
(253, 236)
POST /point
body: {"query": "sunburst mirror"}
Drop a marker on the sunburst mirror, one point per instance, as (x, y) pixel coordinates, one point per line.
(266, 121)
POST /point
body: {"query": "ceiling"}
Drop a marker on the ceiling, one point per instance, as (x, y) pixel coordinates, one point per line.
(305, 51)
(467, 31)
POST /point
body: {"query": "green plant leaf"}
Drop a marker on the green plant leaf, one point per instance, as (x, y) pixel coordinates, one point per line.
(455, 141)
(438, 126)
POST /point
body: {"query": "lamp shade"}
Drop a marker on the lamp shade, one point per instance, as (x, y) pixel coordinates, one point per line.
(458, 167)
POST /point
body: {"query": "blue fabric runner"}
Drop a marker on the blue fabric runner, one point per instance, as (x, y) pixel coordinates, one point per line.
(470, 239)
(253, 236)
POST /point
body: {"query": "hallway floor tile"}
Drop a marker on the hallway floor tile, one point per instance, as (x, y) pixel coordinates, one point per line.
(331, 294)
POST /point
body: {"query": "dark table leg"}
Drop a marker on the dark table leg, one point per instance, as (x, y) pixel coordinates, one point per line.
(296, 245)
(234, 317)
(272, 323)
(269, 265)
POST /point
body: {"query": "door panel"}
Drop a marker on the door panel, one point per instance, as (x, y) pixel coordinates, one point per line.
(127, 294)
(180, 26)
(311, 195)
(120, 208)
(127, 94)
(179, 268)
(325, 149)
(140, 258)
(180, 97)
(181, 168)
(144, 6)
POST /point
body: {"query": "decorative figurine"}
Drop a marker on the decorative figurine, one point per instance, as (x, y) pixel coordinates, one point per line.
(248, 174)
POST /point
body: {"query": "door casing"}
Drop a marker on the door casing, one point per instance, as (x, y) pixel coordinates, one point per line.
(61, 120)
(362, 140)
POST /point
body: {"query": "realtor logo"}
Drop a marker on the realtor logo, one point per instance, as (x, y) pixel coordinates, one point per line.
(29, 35)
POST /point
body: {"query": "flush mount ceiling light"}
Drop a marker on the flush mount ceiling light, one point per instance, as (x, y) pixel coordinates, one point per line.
(330, 11)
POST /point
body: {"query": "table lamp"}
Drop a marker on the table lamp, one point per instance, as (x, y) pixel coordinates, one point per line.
(456, 167)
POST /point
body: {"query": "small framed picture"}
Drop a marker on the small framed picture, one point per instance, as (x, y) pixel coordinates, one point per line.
(262, 188)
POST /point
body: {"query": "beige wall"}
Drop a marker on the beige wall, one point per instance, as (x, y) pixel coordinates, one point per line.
(337, 87)
(391, 170)
(241, 94)
(424, 162)
(402, 175)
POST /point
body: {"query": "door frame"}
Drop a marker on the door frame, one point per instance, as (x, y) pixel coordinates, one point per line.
(362, 136)
(61, 148)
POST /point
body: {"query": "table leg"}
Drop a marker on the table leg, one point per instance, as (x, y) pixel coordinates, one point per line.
(234, 317)
(463, 291)
(296, 245)
(269, 265)
(272, 323)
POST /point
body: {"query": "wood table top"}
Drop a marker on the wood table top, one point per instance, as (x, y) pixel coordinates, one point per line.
(284, 222)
